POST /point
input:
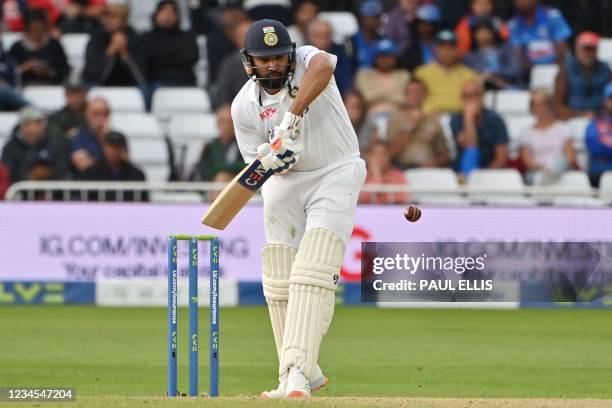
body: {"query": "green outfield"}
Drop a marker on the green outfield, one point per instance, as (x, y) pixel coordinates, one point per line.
(117, 356)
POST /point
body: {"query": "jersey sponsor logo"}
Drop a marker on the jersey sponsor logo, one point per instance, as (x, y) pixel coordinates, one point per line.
(267, 114)
(255, 176)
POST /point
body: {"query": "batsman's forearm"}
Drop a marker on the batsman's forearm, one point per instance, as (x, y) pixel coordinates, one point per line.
(315, 80)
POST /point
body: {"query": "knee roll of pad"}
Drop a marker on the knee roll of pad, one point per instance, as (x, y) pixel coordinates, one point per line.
(277, 262)
(318, 260)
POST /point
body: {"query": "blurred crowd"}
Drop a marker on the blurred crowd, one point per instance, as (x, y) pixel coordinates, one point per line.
(414, 77)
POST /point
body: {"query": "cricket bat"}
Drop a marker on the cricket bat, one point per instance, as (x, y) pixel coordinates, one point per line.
(236, 195)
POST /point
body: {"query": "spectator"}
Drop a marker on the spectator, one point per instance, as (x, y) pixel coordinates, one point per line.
(39, 167)
(478, 9)
(414, 138)
(546, 146)
(380, 171)
(356, 108)
(10, 98)
(398, 23)
(445, 77)
(115, 165)
(539, 33)
(496, 62)
(167, 54)
(383, 86)
(81, 16)
(580, 80)
(231, 75)
(480, 133)
(305, 13)
(599, 140)
(421, 50)
(4, 180)
(222, 153)
(41, 58)
(110, 58)
(320, 34)
(86, 145)
(279, 10)
(141, 11)
(219, 43)
(65, 123)
(15, 12)
(364, 42)
(29, 138)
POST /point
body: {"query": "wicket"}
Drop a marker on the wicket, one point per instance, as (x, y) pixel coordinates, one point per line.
(193, 313)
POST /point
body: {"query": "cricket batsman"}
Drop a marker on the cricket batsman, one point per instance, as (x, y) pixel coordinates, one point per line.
(291, 116)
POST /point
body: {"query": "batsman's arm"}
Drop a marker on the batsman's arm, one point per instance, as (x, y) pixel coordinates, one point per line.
(315, 80)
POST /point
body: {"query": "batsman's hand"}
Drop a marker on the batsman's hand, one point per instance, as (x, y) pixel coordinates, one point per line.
(287, 135)
(271, 160)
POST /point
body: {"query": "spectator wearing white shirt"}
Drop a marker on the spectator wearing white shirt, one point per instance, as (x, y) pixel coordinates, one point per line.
(546, 146)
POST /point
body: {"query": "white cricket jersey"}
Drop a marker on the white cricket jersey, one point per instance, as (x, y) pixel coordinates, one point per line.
(327, 131)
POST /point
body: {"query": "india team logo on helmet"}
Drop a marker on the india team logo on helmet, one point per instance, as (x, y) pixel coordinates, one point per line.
(268, 38)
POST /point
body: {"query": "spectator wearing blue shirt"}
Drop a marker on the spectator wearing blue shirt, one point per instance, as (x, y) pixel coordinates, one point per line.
(599, 140)
(425, 25)
(10, 98)
(86, 146)
(320, 35)
(364, 42)
(580, 80)
(539, 33)
(496, 62)
(480, 133)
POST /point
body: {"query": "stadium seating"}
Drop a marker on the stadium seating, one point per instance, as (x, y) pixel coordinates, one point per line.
(10, 38)
(437, 178)
(8, 121)
(75, 46)
(512, 102)
(543, 77)
(604, 50)
(505, 185)
(172, 197)
(137, 125)
(605, 188)
(47, 98)
(578, 182)
(188, 133)
(168, 101)
(516, 125)
(120, 99)
(344, 24)
(147, 144)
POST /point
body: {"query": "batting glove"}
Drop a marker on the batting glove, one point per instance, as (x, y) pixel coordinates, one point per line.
(270, 160)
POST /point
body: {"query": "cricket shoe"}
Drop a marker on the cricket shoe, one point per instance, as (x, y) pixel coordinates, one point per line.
(319, 380)
(297, 384)
(279, 392)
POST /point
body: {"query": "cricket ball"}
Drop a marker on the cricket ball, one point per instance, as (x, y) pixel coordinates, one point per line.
(412, 213)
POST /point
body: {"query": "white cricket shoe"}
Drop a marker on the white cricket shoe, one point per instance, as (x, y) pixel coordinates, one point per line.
(319, 380)
(279, 392)
(297, 384)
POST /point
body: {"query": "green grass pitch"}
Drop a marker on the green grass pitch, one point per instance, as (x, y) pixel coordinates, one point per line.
(117, 356)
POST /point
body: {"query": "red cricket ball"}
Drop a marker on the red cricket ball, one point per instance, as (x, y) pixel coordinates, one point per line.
(412, 213)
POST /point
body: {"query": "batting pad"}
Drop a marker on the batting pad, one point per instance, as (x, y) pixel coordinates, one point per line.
(277, 261)
(312, 286)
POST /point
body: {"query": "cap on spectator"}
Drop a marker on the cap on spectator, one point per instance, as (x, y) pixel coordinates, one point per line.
(116, 139)
(608, 91)
(371, 8)
(445, 36)
(386, 47)
(587, 39)
(30, 114)
(429, 12)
